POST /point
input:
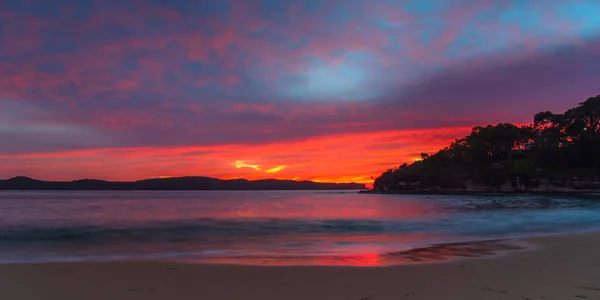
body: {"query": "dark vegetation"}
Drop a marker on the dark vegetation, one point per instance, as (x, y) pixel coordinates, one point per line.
(179, 183)
(556, 148)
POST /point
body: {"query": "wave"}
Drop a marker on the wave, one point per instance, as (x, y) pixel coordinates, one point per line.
(188, 230)
(210, 230)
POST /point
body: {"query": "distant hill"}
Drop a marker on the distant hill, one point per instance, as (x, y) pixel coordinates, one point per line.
(175, 183)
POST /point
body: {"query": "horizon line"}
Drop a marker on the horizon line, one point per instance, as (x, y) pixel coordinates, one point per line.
(175, 177)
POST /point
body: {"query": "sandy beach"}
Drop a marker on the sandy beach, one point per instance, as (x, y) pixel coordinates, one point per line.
(561, 267)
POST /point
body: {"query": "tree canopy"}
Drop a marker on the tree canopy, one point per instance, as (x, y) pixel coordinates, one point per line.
(554, 147)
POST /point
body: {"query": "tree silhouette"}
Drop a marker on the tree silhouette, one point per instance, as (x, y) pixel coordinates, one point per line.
(554, 147)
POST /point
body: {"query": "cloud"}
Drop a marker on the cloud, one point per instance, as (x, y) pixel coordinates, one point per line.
(509, 87)
(127, 81)
(276, 169)
(244, 164)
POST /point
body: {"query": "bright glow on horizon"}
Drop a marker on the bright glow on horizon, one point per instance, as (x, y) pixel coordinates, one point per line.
(336, 158)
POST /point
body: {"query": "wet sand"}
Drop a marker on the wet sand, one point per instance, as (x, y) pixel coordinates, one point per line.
(561, 267)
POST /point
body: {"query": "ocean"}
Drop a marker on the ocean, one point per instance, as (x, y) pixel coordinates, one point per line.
(205, 226)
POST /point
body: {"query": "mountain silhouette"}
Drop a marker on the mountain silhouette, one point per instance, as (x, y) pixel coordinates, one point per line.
(174, 183)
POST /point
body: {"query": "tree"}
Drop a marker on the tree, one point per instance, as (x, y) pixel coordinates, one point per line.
(554, 145)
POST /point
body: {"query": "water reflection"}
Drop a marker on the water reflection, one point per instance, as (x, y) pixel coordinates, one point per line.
(332, 228)
(107, 207)
(433, 254)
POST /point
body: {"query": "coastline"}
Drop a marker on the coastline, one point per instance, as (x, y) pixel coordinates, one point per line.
(465, 192)
(560, 267)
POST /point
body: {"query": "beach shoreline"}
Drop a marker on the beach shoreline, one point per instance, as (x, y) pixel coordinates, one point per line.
(426, 254)
(560, 267)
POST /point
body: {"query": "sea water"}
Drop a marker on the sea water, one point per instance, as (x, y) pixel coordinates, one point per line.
(197, 226)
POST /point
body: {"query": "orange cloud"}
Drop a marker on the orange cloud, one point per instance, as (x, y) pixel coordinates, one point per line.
(243, 164)
(337, 158)
(276, 169)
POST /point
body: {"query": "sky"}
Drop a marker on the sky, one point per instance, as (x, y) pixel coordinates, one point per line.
(308, 90)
